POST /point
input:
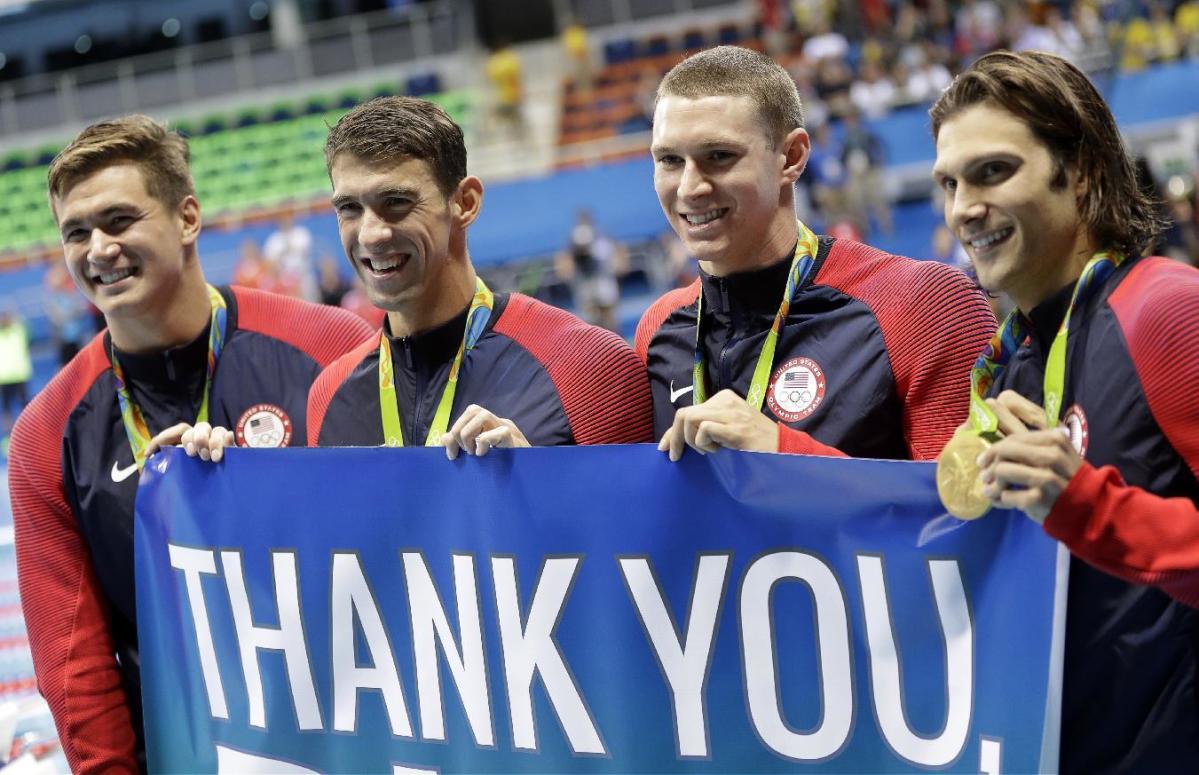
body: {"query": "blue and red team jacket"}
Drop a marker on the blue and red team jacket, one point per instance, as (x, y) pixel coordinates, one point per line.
(73, 481)
(1129, 515)
(558, 379)
(873, 360)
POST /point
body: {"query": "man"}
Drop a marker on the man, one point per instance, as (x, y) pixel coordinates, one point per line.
(16, 367)
(176, 350)
(455, 365)
(1092, 399)
(871, 349)
(589, 264)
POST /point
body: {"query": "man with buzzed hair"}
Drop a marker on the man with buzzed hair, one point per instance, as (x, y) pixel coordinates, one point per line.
(176, 350)
(788, 341)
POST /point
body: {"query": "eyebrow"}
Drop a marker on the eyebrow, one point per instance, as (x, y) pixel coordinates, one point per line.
(707, 145)
(406, 191)
(974, 162)
(111, 210)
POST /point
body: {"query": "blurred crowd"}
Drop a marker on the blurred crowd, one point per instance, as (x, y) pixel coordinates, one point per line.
(876, 55)
(856, 62)
(287, 263)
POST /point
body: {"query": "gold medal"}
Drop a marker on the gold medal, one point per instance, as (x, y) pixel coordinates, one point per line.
(958, 482)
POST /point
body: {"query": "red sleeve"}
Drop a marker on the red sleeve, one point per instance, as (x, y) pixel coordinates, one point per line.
(1129, 532)
(934, 321)
(64, 607)
(657, 313)
(602, 383)
(1124, 530)
(327, 383)
(325, 333)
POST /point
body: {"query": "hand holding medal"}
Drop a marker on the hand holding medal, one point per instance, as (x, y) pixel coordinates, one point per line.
(962, 492)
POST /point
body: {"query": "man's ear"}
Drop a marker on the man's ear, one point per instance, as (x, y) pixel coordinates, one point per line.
(467, 201)
(189, 219)
(797, 146)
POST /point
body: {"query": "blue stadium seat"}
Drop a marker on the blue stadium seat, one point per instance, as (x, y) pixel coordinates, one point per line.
(619, 51)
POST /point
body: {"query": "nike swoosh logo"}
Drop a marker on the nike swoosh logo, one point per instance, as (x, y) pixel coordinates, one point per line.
(675, 395)
(121, 474)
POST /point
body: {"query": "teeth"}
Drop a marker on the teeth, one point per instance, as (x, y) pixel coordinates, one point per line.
(990, 239)
(699, 219)
(108, 278)
(383, 264)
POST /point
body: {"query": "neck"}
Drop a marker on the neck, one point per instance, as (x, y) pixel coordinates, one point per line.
(1058, 275)
(453, 290)
(779, 238)
(173, 324)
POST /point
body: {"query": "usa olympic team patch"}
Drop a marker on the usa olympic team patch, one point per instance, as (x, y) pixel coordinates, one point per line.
(263, 426)
(796, 389)
(1075, 422)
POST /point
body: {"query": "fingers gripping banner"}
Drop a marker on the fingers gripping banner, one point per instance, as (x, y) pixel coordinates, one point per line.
(592, 609)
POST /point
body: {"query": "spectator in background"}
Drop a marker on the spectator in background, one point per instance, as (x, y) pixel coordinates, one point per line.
(677, 270)
(866, 191)
(577, 48)
(68, 312)
(825, 174)
(1165, 37)
(1096, 51)
(833, 82)
(590, 265)
(1174, 202)
(16, 367)
(873, 94)
(825, 42)
(1147, 40)
(333, 287)
(979, 25)
(811, 16)
(504, 72)
(355, 300)
(773, 23)
(1044, 29)
(930, 74)
(1186, 22)
(251, 271)
(288, 251)
(943, 246)
(803, 72)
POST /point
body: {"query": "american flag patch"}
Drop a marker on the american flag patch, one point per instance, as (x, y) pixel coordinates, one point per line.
(797, 379)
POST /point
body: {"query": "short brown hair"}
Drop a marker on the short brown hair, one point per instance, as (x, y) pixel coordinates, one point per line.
(732, 71)
(160, 154)
(1064, 111)
(391, 129)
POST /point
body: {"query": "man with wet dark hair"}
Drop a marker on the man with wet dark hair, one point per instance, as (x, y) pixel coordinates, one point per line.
(1084, 411)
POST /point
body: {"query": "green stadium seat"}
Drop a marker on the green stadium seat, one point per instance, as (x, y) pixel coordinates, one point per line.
(276, 157)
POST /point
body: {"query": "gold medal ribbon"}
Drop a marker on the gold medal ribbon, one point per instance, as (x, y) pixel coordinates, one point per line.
(957, 469)
(134, 421)
(801, 266)
(476, 321)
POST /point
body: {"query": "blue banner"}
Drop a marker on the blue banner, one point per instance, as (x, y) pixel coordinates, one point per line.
(591, 609)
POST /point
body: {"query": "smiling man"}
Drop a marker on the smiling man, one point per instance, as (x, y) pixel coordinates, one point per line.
(788, 341)
(176, 350)
(456, 365)
(1092, 418)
